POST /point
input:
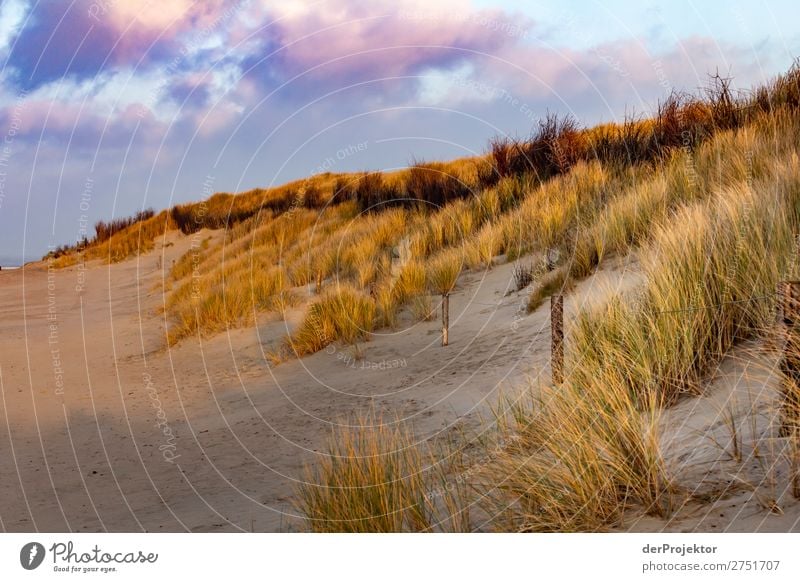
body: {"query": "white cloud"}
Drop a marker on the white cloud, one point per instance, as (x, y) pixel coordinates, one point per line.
(12, 14)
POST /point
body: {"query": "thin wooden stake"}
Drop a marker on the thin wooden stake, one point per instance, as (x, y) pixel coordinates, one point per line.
(795, 452)
(557, 337)
(445, 319)
(789, 333)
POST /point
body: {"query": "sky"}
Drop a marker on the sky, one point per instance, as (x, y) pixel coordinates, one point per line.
(111, 106)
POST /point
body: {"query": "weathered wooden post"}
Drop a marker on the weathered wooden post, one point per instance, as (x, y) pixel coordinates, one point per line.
(445, 319)
(789, 321)
(557, 337)
(795, 467)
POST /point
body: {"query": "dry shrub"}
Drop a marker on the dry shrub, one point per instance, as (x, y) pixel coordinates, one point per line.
(133, 240)
(374, 193)
(556, 144)
(434, 185)
(105, 230)
(523, 275)
(621, 145)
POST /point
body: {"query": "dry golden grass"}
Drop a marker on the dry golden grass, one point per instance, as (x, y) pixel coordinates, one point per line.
(556, 281)
(411, 282)
(574, 458)
(386, 302)
(586, 451)
(341, 314)
(443, 272)
(136, 239)
(716, 239)
(376, 478)
(711, 271)
(66, 260)
(587, 213)
(702, 269)
(484, 247)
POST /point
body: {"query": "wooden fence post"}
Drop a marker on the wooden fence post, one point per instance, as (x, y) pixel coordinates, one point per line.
(557, 337)
(789, 321)
(445, 319)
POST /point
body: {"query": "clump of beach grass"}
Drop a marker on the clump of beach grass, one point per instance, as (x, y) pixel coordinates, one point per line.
(341, 314)
(375, 477)
(443, 274)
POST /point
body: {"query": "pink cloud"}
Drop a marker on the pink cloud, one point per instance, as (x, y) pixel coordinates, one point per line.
(621, 73)
(366, 41)
(153, 17)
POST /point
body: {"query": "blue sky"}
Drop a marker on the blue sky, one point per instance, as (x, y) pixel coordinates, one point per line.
(107, 106)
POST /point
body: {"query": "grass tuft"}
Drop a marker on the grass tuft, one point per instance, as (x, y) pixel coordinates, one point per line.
(376, 478)
(342, 314)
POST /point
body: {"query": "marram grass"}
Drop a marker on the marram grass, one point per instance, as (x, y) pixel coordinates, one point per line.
(581, 456)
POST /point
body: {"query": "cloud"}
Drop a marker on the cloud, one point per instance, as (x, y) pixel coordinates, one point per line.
(602, 81)
(12, 15)
(213, 62)
(177, 58)
(358, 42)
(269, 89)
(84, 38)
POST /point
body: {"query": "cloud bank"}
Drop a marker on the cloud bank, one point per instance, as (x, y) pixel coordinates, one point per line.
(145, 100)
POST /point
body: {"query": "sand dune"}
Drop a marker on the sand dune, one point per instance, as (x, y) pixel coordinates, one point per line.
(105, 429)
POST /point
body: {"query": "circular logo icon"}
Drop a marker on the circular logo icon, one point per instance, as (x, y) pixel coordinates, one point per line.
(31, 555)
